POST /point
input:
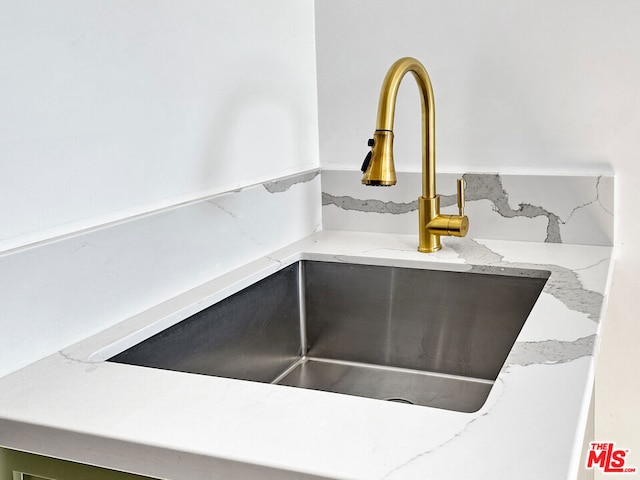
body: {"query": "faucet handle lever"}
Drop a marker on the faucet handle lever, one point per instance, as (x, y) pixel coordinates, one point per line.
(461, 185)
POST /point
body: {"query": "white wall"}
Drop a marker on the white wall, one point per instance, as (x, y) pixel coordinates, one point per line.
(113, 108)
(520, 86)
(540, 86)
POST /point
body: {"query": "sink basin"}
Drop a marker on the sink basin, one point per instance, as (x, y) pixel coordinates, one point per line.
(426, 337)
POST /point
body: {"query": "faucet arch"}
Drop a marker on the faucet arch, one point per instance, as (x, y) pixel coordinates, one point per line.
(386, 114)
(379, 167)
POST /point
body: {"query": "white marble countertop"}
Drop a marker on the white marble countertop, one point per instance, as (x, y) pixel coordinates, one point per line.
(172, 425)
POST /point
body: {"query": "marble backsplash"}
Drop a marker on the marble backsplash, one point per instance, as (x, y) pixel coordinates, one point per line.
(129, 266)
(540, 208)
(59, 292)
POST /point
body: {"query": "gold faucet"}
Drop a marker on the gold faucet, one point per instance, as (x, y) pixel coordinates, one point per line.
(379, 170)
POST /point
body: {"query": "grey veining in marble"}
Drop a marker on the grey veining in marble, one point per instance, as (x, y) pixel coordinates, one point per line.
(565, 286)
(563, 283)
(553, 209)
(489, 187)
(284, 184)
(550, 351)
(397, 472)
(369, 205)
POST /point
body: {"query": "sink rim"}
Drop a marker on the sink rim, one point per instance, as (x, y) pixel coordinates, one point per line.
(305, 361)
(176, 309)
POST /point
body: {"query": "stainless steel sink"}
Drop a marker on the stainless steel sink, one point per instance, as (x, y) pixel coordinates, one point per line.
(426, 337)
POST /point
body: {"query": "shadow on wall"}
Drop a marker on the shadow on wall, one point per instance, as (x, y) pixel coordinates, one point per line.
(261, 131)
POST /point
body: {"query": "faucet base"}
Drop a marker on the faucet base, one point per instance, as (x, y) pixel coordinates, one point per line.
(428, 209)
(427, 250)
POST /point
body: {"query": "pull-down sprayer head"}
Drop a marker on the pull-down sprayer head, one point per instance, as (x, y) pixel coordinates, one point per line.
(378, 167)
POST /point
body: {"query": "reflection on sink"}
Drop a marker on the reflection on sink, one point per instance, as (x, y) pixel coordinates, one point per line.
(427, 337)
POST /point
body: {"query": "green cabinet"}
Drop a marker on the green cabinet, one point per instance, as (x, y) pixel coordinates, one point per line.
(25, 466)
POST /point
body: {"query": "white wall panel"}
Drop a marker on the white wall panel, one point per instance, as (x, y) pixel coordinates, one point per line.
(114, 108)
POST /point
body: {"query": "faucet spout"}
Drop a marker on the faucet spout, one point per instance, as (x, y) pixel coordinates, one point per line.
(379, 166)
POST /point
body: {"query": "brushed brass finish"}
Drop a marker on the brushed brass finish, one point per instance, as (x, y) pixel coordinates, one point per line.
(428, 209)
(449, 225)
(381, 170)
(461, 185)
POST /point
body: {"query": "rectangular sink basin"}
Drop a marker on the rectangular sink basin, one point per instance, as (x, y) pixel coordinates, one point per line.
(426, 337)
